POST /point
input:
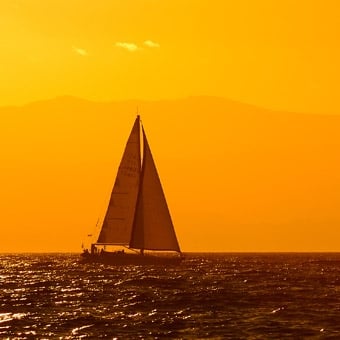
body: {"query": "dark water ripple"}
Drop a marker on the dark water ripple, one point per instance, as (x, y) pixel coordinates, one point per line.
(219, 296)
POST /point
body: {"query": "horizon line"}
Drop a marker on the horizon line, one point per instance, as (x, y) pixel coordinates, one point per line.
(192, 252)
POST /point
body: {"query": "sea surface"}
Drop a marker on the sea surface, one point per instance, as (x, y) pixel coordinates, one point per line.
(213, 296)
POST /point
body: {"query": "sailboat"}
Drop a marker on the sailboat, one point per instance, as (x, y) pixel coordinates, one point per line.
(137, 227)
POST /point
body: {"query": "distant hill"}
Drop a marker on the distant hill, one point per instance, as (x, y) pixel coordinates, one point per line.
(237, 177)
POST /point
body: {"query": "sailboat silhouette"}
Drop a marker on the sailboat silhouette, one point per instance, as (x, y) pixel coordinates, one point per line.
(137, 218)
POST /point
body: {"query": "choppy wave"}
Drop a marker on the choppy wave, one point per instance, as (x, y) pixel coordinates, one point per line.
(236, 296)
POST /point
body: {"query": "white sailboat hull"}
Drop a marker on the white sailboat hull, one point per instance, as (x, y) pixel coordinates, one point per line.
(118, 259)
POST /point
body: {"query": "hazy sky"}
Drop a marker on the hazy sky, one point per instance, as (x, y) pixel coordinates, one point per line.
(277, 54)
(261, 180)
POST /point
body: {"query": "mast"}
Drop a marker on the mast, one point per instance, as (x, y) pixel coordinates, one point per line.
(138, 203)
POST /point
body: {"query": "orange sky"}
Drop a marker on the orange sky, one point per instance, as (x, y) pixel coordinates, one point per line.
(276, 54)
(269, 183)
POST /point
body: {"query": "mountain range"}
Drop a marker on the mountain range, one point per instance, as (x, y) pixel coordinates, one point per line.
(237, 177)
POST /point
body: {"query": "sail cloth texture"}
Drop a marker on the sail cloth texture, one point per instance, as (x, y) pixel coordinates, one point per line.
(118, 221)
(152, 227)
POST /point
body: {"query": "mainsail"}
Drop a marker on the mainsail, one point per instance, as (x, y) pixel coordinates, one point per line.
(152, 228)
(138, 215)
(118, 220)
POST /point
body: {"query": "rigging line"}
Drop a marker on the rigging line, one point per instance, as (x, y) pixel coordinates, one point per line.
(134, 250)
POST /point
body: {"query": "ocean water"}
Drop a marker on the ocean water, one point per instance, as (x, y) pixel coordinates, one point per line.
(214, 296)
